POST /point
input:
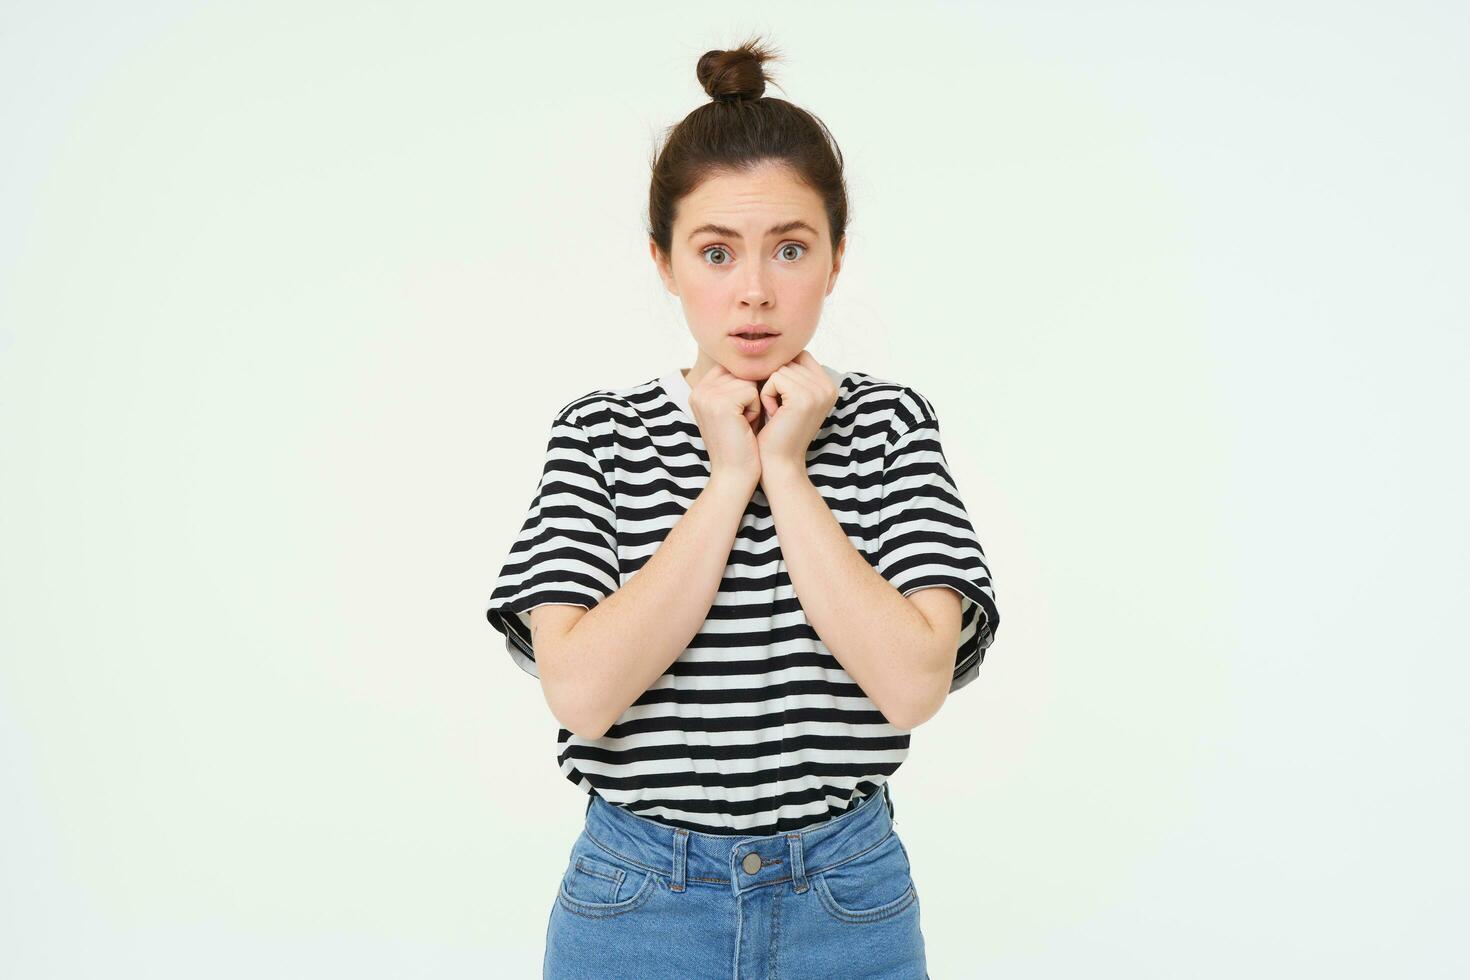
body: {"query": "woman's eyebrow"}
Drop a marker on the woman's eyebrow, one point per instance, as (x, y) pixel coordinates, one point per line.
(775, 229)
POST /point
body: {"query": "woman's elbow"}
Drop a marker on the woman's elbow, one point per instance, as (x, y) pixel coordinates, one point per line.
(571, 703)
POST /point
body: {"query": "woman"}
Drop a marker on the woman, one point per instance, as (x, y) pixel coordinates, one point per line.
(736, 741)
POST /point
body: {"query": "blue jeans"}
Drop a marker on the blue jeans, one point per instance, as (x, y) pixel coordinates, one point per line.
(641, 899)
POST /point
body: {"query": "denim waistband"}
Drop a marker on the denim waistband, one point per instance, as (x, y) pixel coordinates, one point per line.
(683, 856)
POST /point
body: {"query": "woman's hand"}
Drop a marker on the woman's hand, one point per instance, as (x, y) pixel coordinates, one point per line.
(728, 410)
(797, 399)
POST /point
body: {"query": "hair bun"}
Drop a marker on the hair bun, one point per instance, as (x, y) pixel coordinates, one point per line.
(728, 76)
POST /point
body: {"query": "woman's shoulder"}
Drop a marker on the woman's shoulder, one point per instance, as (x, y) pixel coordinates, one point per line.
(882, 398)
(601, 403)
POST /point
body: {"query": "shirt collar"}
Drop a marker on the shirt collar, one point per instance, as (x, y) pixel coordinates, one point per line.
(678, 389)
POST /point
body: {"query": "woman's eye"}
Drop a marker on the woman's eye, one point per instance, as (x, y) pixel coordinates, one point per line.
(785, 251)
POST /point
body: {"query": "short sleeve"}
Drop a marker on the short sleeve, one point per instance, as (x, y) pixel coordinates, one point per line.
(566, 551)
(926, 539)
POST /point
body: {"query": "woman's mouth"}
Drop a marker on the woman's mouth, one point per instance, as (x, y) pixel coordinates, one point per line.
(753, 341)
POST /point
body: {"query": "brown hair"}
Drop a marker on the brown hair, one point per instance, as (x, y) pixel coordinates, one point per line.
(738, 129)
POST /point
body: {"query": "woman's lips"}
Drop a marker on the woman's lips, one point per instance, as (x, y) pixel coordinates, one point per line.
(753, 346)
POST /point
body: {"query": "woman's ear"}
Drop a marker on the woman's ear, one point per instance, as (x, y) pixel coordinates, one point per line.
(836, 265)
(665, 268)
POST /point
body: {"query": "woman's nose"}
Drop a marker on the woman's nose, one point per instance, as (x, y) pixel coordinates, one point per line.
(757, 290)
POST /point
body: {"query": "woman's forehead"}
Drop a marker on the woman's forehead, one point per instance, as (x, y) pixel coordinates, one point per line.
(740, 204)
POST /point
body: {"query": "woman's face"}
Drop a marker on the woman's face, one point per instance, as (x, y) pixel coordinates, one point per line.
(750, 248)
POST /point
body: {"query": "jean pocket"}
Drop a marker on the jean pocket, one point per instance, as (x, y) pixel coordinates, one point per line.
(600, 886)
(874, 885)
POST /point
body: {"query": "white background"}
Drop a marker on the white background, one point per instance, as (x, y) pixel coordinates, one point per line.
(290, 291)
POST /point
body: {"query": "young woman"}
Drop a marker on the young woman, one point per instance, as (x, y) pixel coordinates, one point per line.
(741, 586)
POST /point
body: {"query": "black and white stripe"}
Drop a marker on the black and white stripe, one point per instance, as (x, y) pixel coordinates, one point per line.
(755, 728)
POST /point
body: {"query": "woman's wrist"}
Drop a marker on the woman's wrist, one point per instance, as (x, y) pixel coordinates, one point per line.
(783, 471)
(732, 485)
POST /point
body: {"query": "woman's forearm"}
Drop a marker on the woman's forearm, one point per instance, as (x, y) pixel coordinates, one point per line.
(615, 652)
(877, 634)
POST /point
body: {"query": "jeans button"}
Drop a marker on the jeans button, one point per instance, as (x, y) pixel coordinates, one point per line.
(752, 863)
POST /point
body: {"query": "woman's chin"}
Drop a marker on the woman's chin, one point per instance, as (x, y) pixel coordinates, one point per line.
(753, 369)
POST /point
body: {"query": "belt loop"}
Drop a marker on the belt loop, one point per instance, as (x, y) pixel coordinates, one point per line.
(888, 795)
(681, 847)
(798, 865)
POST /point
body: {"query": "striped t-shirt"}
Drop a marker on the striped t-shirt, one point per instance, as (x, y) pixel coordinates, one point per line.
(755, 728)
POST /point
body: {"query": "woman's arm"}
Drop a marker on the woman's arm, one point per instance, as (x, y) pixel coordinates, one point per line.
(899, 649)
(596, 662)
